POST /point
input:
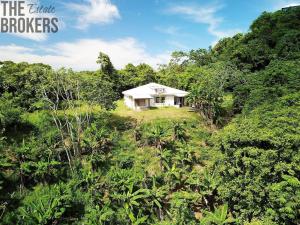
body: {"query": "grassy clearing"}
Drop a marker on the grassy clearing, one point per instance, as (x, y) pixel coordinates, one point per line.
(170, 113)
(165, 113)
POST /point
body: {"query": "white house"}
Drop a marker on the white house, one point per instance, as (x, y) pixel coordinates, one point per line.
(154, 95)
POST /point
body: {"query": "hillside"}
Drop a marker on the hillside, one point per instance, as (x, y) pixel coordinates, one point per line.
(72, 153)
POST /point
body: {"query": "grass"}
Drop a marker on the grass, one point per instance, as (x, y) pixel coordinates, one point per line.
(170, 113)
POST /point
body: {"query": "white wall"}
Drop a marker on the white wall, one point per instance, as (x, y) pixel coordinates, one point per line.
(129, 102)
(152, 102)
(169, 101)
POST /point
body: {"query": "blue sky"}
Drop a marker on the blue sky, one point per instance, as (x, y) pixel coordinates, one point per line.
(132, 31)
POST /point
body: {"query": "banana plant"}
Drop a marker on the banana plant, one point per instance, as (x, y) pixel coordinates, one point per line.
(157, 197)
(175, 176)
(208, 186)
(136, 220)
(184, 156)
(133, 201)
(45, 205)
(157, 137)
(165, 158)
(179, 133)
(219, 217)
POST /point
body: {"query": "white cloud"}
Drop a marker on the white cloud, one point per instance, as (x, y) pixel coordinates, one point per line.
(95, 12)
(14, 49)
(204, 15)
(32, 36)
(82, 54)
(279, 4)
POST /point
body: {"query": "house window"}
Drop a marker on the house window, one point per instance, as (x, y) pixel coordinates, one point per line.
(160, 90)
(160, 100)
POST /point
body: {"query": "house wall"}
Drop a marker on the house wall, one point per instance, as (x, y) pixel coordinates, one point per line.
(152, 102)
(136, 104)
(169, 101)
(129, 101)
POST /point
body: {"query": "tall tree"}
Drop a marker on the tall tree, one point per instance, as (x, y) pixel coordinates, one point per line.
(106, 66)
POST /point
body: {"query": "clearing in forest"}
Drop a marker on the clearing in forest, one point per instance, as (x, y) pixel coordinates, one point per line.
(152, 114)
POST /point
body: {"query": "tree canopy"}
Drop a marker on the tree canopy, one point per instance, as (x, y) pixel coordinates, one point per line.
(66, 157)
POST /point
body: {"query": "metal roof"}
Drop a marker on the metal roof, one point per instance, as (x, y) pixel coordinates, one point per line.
(153, 89)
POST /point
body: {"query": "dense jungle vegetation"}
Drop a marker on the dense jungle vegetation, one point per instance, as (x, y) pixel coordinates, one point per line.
(68, 157)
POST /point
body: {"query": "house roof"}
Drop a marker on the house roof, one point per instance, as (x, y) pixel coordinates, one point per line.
(153, 89)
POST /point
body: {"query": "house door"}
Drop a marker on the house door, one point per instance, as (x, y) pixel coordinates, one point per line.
(178, 101)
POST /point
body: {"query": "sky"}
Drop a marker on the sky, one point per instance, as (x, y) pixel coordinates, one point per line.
(132, 31)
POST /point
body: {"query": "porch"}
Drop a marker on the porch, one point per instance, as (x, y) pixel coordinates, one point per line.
(142, 104)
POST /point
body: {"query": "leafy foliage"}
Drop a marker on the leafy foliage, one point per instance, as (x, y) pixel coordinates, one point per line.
(67, 158)
(44, 205)
(261, 157)
(219, 216)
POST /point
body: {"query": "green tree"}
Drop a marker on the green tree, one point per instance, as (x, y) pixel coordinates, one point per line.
(260, 160)
(207, 95)
(106, 66)
(23, 82)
